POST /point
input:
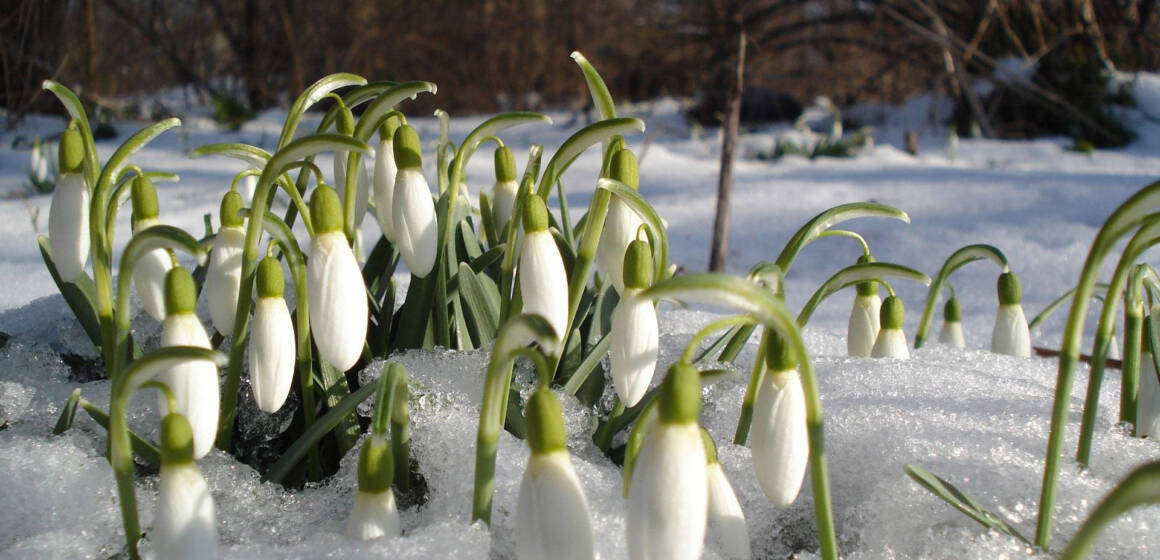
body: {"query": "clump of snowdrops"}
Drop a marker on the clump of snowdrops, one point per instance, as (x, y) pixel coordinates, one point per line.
(501, 271)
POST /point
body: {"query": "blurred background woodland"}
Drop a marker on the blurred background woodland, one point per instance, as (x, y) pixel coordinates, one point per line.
(1047, 60)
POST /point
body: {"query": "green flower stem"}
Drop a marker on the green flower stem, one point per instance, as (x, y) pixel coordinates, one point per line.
(603, 436)
(756, 375)
(577, 143)
(729, 344)
(855, 274)
(1100, 289)
(312, 95)
(719, 324)
(772, 313)
(814, 228)
(170, 400)
(76, 111)
(852, 235)
(1130, 370)
(401, 432)
(1140, 487)
(512, 250)
(1147, 236)
(965, 255)
(512, 336)
(1126, 218)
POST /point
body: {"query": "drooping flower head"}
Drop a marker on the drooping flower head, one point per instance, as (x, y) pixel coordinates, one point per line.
(543, 280)
(862, 329)
(185, 526)
(780, 441)
(635, 336)
(224, 274)
(345, 125)
(1011, 335)
(622, 222)
(413, 211)
(385, 172)
(726, 519)
(68, 217)
(194, 384)
(952, 329)
(334, 284)
(891, 342)
(271, 350)
(149, 273)
(503, 195)
(552, 519)
(374, 514)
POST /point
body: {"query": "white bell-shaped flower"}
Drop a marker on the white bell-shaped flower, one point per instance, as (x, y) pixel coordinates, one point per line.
(413, 210)
(194, 384)
(224, 273)
(38, 162)
(185, 525)
(1011, 335)
(779, 440)
(68, 217)
(384, 180)
(552, 519)
(150, 270)
(374, 514)
(668, 499)
(543, 281)
(1148, 394)
(621, 224)
(726, 519)
(635, 336)
(862, 329)
(335, 289)
(952, 329)
(503, 194)
(891, 342)
(271, 350)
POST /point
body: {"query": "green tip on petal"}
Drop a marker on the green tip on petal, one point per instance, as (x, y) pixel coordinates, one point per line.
(1010, 292)
(71, 151)
(779, 355)
(345, 121)
(388, 128)
(325, 210)
(376, 466)
(270, 282)
(892, 313)
(231, 208)
(680, 395)
(545, 421)
(505, 165)
(408, 150)
(180, 291)
(535, 214)
(144, 196)
(176, 440)
(710, 447)
(623, 168)
(952, 313)
(867, 288)
(638, 265)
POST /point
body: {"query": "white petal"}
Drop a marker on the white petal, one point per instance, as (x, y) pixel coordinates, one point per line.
(374, 515)
(194, 384)
(1148, 399)
(362, 187)
(247, 186)
(385, 171)
(223, 277)
(1011, 335)
(503, 202)
(862, 329)
(271, 353)
(543, 282)
(552, 519)
(952, 334)
(185, 527)
(669, 496)
(726, 520)
(68, 226)
(337, 300)
(620, 229)
(780, 443)
(413, 219)
(149, 281)
(634, 346)
(891, 343)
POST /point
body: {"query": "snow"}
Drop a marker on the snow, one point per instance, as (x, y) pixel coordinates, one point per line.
(977, 419)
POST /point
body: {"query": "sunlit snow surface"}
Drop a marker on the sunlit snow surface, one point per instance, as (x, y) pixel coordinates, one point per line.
(977, 419)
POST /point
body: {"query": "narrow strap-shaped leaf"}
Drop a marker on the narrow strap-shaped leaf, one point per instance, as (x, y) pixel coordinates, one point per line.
(314, 434)
(374, 114)
(1141, 487)
(312, 95)
(76, 110)
(79, 295)
(601, 97)
(1100, 289)
(965, 255)
(962, 502)
(143, 448)
(252, 155)
(856, 274)
(336, 389)
(483, 308)
(580, 141)
(67, 413)
(829, 218)
(589, 365)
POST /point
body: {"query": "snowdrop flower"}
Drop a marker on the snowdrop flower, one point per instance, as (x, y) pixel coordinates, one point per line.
(185, 526)
(726, 519)
(891, 342)
(862, 330)
(1011, 335)
(552, 519)
(38, 162)
(635, 337)
(952, 329)
(345, 125)
(385, 171)
(272, 340)
(503, 195)
(68, 217)
(780, 443)
(194, 384)
(374, 514)
(149, 274)
(668, 498)
(224, 275)
(334, 285)
(413, 211)
(1148, 396)
(543, 281)
(621, 224)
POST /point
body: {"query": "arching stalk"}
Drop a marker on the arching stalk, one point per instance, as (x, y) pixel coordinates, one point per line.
(968, 254)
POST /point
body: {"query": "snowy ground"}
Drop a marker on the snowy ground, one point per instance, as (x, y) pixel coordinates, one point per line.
(977, 419)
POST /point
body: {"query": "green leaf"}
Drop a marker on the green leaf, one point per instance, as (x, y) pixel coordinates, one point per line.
(67, 413)
(965, 255)
(856, 274)
(146, 451)
(589, 365)
(1141, 487)
(580, 141)
(829, 218)
(373, 116)
(76, 110)
(312, 95)
(482, 306)
(252, 155)
(336, 389)
(79, 295)
(120, 158)
(962, 502)
(1100, 289)
(601, 98)
(314, 434)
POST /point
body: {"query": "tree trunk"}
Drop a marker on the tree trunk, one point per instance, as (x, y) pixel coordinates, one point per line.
(725, 178)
